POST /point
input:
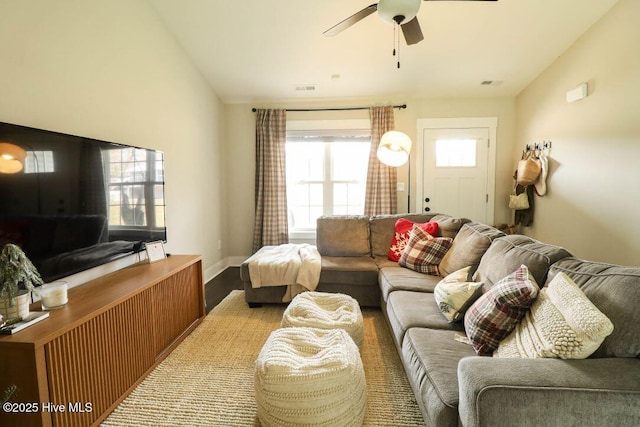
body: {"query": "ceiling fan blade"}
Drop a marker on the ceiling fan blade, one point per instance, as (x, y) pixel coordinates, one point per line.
(338, 28)
(412, 32)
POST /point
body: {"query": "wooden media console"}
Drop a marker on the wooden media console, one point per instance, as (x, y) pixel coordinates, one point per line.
(75, 367)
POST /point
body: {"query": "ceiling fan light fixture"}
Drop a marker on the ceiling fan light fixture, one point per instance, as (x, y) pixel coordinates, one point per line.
(390, 11)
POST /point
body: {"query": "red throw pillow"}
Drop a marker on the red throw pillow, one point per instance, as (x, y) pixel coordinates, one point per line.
(401, 236)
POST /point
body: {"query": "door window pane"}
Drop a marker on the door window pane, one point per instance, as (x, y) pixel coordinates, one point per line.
(455, 153)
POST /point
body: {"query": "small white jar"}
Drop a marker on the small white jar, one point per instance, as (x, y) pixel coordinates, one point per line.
(53, 295)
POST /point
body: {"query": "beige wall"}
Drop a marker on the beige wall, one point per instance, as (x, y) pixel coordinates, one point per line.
(241, 149)
(593, 199)
(110, 70)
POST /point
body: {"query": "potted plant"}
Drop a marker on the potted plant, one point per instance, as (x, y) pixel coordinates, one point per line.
(18, 277)
(8, 394)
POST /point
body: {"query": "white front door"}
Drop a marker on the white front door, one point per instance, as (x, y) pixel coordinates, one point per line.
(455, 171)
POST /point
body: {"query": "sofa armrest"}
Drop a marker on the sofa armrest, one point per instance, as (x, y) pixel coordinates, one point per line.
(550, 392)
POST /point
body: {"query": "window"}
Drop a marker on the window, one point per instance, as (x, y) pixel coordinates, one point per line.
(39, 162)
(455, 153)
(326, 171)
(135, 181)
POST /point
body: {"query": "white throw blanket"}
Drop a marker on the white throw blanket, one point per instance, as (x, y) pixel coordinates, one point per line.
(297, 266)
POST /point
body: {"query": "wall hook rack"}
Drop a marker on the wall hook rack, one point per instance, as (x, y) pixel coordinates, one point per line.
(539, 146)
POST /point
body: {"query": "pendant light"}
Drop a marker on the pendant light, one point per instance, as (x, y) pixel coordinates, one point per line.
(11, 158)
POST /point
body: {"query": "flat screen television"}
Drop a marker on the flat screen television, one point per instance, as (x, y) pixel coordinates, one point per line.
(76, 203)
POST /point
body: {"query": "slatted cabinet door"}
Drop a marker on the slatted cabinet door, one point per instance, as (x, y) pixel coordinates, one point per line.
(176, 306)
(88, 356)
(92, 365)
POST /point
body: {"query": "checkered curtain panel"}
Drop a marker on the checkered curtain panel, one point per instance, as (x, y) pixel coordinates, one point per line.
(271, 227)
(380, 197)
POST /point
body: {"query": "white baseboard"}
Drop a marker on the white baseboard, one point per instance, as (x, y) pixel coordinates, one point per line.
(220, 266)
(236, 261)
(215, 269)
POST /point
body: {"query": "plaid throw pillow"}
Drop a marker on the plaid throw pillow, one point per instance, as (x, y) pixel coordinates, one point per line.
(496, 313)
(423, 252)
(401, 232)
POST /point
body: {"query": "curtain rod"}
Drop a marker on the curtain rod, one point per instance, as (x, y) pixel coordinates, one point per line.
(400, 107)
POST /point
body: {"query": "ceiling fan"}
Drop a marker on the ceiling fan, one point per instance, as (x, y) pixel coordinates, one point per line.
(401, 12)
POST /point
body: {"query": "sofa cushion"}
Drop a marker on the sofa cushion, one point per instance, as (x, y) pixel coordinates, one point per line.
(384, 262)
(430, 358)
(424, 252)
(615, 290)
(401, 233)
(471, 242)
(382, 230)
(81, 231)
(562, 323)
(406, 310)
(343, 235)
(349, 270)
(449, 226)
(454, 294)
(496, 313)
(402, 279)
(40, 236)
(13, 230)
(508, 253)
(549, 392)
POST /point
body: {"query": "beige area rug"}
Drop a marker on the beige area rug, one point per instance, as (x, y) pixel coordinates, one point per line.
(208, 379)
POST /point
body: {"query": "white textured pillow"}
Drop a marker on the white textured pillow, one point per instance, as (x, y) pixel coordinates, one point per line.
(562, 323)
(461, 275)
(454, 294)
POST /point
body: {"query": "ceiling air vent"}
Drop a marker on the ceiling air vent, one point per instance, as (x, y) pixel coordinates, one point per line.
(304, 88)
(491, 82)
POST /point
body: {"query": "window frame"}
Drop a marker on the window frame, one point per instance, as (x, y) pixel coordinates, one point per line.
(317, 127)
(148, 184)
(39, 161)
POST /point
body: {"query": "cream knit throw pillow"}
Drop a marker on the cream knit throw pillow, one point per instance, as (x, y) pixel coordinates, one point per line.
(562, 323)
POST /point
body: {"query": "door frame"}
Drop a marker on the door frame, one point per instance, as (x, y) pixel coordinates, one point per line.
(490, 123)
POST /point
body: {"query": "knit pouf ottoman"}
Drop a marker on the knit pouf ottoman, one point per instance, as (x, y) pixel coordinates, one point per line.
(325, 311)
(310, 376)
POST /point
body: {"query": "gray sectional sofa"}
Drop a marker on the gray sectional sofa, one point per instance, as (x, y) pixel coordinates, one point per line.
(452, 385)
(353, 250)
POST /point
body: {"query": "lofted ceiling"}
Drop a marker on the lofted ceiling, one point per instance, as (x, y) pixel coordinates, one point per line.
(264, 51)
